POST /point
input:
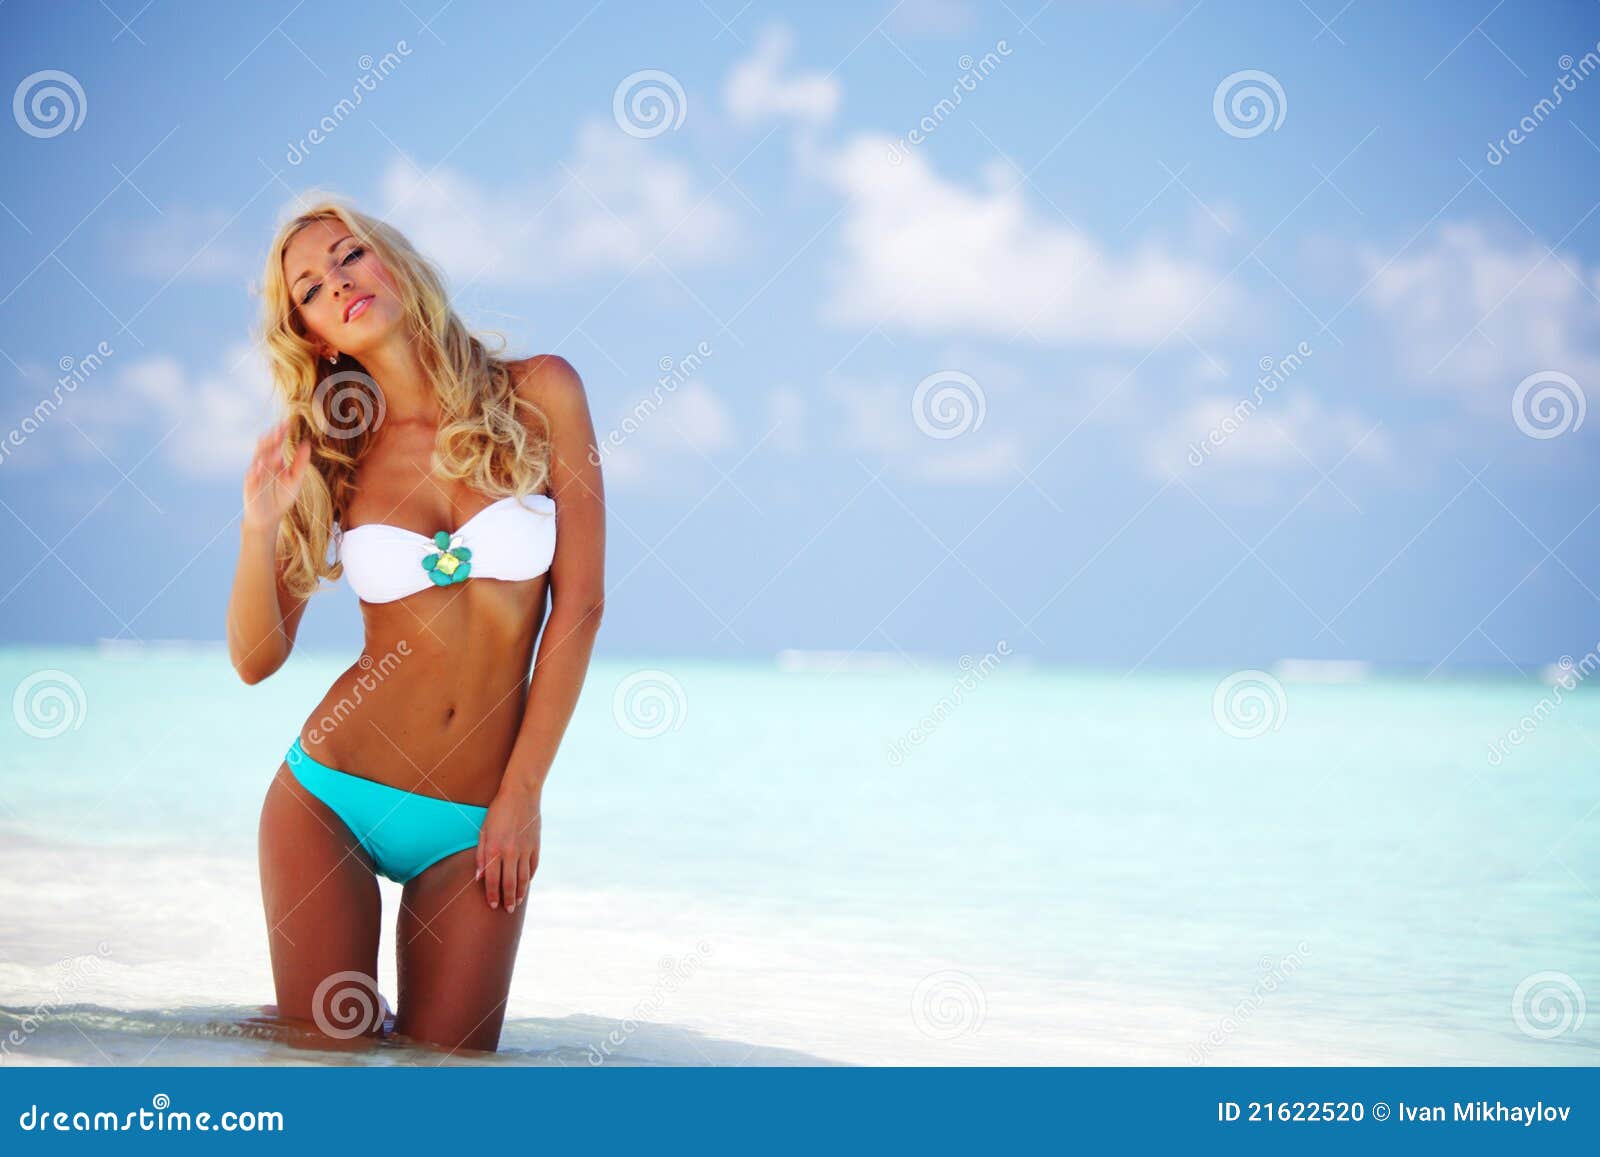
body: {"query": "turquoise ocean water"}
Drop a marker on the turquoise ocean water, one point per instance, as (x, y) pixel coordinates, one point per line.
(758, 863)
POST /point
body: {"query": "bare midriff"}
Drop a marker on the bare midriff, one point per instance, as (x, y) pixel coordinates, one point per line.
(435, 701)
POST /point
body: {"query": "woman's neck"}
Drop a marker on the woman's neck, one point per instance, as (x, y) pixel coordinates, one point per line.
(408, 394)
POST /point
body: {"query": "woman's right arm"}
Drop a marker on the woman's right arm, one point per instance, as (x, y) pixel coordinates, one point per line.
(263, 617)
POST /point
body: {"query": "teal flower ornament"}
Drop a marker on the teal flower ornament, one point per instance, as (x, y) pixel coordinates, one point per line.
(447, 564)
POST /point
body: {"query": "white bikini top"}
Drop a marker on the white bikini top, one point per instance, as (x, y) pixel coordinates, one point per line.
(505, 540)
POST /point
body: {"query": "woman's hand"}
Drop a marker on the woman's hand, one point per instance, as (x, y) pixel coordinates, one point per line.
(270, 486)
(508, 846)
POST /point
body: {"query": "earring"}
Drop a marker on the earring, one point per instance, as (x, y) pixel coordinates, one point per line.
(333, 359)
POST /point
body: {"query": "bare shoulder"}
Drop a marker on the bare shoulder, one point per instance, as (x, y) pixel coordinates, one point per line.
(550, 382)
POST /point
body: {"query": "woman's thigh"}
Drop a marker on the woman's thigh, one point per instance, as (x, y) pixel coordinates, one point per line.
(456, 955)
(324, 913)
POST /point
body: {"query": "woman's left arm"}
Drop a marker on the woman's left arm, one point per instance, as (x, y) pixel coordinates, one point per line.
(508, 845)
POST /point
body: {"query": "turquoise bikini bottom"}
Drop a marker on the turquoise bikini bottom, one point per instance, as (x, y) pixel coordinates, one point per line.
(404, 833)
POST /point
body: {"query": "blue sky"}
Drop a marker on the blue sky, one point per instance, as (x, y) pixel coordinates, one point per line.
(955, 380)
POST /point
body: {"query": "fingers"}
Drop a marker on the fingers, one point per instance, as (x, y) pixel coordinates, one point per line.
(260, 470)
(259, 454)
(524, 874)
(269, 472)
(268, 445)
(491, 880)
(505, 868)
(508, 881)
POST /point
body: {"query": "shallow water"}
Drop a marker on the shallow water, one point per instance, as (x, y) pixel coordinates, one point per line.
(1071, 868)
(87, 1034)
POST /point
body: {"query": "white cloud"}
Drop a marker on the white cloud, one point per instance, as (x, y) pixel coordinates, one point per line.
(996, 459)
(1472, 317)
(606, 210)
(926, 254)
(933, 17)
(136, 411)
(654, 444)
(700, 419)
(1212, 438)
(788, 412)
(1207, 368)
(757, 90)
(205, 424)
(191, 246)
(878, 420)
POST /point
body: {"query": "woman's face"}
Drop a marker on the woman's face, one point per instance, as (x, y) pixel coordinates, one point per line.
(345, 297)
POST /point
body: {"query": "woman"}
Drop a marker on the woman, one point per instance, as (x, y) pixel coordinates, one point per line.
(435, 471)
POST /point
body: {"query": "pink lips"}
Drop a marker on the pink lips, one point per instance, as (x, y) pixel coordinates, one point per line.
(357, 307)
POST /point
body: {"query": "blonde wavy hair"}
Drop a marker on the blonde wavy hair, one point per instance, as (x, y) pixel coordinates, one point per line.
(482, 438)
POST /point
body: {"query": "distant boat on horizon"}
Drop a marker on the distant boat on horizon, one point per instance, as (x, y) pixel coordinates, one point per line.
(1322, 670)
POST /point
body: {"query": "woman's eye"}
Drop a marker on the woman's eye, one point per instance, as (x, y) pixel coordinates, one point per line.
(354, 255)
